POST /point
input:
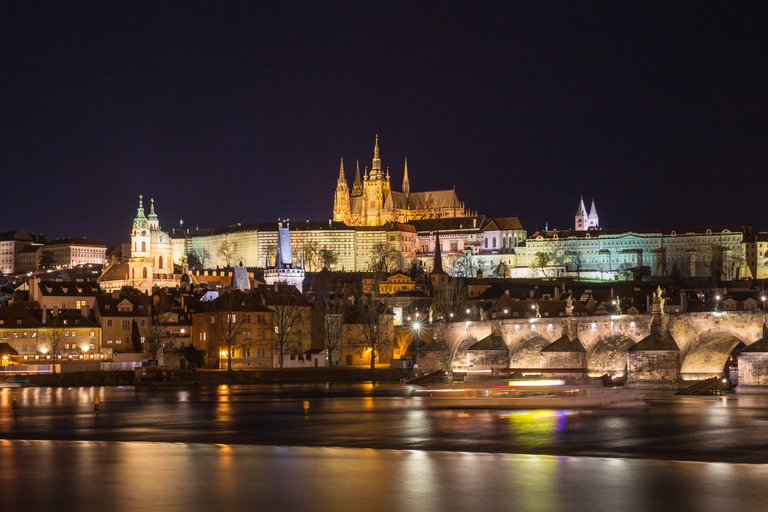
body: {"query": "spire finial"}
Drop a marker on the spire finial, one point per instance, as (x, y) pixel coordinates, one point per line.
(152, 204)
(141, 202)
(341, 170)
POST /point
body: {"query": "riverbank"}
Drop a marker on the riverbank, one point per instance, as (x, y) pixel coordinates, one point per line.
(213, 377)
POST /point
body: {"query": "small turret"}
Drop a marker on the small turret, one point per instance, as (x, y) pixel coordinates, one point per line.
(357, 186)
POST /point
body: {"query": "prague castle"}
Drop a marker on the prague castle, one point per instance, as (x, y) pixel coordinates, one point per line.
(372, 202)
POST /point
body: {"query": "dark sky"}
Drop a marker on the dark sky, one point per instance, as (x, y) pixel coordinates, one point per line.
(229, 112)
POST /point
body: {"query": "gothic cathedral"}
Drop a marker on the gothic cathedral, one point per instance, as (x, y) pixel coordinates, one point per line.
(373, 203)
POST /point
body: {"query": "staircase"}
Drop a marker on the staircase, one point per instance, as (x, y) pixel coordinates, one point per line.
(712, 386)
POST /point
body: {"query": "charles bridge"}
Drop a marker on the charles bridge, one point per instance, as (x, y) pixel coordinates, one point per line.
(650, 350)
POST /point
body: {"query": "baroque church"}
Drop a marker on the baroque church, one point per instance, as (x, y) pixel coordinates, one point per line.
(151, 260)
(372, 202)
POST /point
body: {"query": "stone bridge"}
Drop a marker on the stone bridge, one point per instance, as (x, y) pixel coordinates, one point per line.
(704, 340)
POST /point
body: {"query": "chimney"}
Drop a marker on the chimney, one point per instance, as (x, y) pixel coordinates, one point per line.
(45, 315)
(55, 311)
(557, 293)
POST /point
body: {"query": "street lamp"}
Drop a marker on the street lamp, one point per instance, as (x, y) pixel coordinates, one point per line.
(763, 298)
(717, 303)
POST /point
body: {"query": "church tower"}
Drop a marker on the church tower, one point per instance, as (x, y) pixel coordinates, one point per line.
(592, 221)
(341, 200)
(140, 263)
(581, 217)
(375, 190)
(406, 182)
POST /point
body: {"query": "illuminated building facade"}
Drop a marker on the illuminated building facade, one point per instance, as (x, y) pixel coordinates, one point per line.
(372, 202)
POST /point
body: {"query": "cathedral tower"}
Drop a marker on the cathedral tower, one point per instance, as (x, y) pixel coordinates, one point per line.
(341, 200)
(406, 182)
(375, 190)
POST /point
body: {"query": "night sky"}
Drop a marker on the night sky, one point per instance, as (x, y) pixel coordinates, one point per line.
(229, 112)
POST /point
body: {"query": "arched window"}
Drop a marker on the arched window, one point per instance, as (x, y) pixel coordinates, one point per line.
(143, 246)
(160, 262)
(144, 271)
(494, 242)
(503, 242)
(486, 243)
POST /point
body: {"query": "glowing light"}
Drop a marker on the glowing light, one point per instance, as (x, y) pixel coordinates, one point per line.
(507, 311)
(467, 310)
(632, 325)
(544, 382)
(717, 297)
(223, 353)
(43, 350)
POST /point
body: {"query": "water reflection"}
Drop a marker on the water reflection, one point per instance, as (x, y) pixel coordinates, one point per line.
(88, 476)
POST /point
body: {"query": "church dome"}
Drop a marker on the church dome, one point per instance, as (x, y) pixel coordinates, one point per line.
(158, 238)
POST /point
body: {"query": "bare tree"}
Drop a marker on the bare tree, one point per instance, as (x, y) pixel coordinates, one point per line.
(540, 263)
(51, 340)
(377, 328)
(328, 258)
(286, 304)
(384, 258)
(152, 340)
(228, 251)
(333, 309)
(310, 250)
(451, 301)
(199, 256)
(229, 317)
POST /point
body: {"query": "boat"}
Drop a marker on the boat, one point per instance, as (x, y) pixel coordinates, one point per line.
(527, 394)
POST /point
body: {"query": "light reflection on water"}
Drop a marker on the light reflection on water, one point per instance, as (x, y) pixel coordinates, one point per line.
(88, 476)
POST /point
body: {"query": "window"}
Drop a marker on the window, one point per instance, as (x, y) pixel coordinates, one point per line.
(160, 262)
(66, 346)
(144, 270)
(246, 335)
(126, 325)
(486, 243)
(66, 333)
(213, 320)
(109, 323)
(182, 330)
(92, 334)
(118, 340)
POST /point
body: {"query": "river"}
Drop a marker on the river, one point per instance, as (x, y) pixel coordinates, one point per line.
(372, 447)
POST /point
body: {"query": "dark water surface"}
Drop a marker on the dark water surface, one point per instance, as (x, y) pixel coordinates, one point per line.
(372, 447)
(726, 429)
(89, 476)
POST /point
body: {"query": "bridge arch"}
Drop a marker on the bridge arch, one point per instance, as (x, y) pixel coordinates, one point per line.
(527, 353)
(459, 356)
(609, 356)
(708, 354)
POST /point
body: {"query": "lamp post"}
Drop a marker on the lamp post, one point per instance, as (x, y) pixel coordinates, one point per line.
(717, 303)
(763, 299)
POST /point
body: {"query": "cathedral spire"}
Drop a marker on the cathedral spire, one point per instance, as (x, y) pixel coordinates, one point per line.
(376, 164)
(357, 186)
(341, 172)
(406, 183)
